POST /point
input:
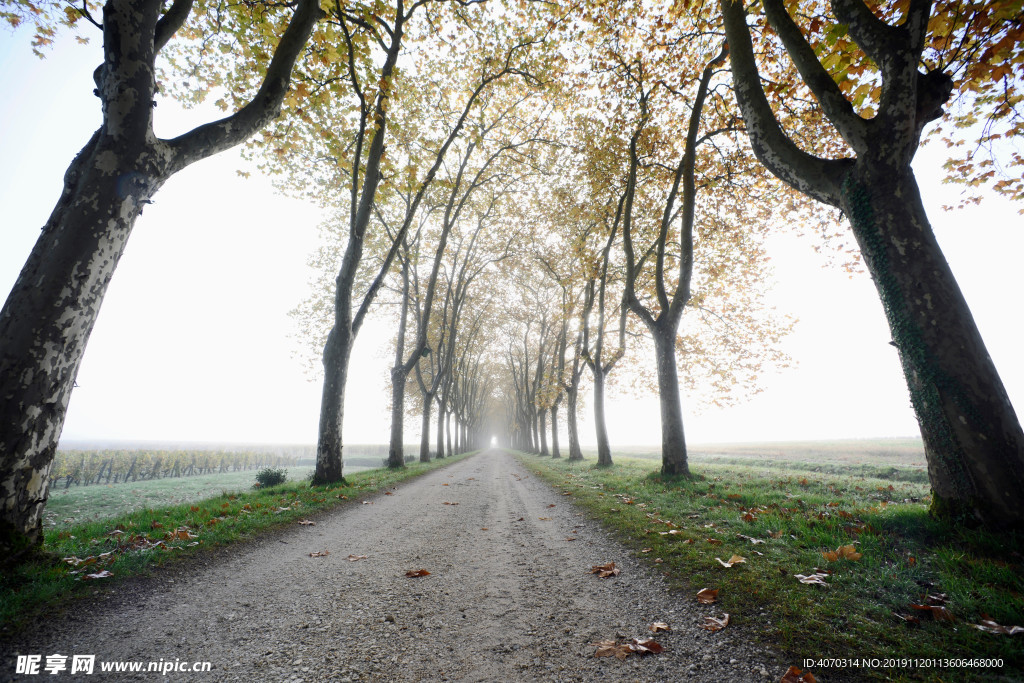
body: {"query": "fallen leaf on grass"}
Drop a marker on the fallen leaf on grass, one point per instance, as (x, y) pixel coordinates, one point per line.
(713, 541)
(735, 559)
(306, 522)
(180, 534)
(715, 624)
(356, 558)
(320, 553)
(707, 596)
(647, 550)
(795, 675)
(659, 626)
(603, 571)
(816, 578)
(156, 525)
(98, 575)
(753, 540)
(843, 552)
(413, 573)
(938, 612)
(989, 626)
(341, 497)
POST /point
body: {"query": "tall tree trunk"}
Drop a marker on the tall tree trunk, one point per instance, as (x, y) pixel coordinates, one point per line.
(337, 352)
(574, 433)
(604, 451)
(554, 432)
(428, 400)
(440, 427)
(543, 415)
(448, 422)
(673, 441)
(396, 456)
(972, 437)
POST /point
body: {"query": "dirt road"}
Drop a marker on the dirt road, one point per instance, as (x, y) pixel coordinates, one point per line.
(508, 598)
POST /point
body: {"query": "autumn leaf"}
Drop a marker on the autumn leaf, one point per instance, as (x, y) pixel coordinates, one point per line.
(735, 559)
(753, 540)
(447, 503)
(843, 552)
(388, 493)
(989, 626)
(610, 648)
(180, 534)
(603, 571)
(938, 612)
(306, 522)
(483, 528)
(707, 596)
(715, 624)
(713, 541)
(544, 519)
(659, 626)
(98, 575)
(413, 573)
(646, 647)
(551, 505)
(795, 675)
(570, 538)
(356, 558)
(156, 525)
(320, 553)
(816, 578)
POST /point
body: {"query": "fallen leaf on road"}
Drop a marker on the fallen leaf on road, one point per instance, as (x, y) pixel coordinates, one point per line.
(413, 573)
(603, 571)
(483, 528)
(388, 493)
(735, 559)
(551, 505)
(795, 675)
(712, 624)
(609, 648)
(445, 484)
(356, 558)
(306, 522)
(367, 502)
(544, 519)
(570, 538)
(447, 503)
(659, 626)
(707, 596)
(521, 519)
(646, 647)
(320, 553)
(989, 626)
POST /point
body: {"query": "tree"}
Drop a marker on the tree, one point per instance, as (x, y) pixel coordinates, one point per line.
(973, 440)
(47, 319)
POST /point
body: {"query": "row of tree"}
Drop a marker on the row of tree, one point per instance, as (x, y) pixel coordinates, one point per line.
(531, 187)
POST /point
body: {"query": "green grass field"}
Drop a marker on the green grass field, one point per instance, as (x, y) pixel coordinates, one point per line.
(916, 590)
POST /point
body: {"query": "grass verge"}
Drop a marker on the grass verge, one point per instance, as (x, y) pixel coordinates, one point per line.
(84, 559)
(782, 523)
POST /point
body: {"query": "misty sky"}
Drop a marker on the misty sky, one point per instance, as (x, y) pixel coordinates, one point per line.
(192, 343)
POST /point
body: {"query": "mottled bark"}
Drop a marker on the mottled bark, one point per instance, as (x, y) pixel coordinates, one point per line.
(49, 315)
(972, 436)
(574, 433)
(428, 400)
(555, 453)
(604, 451)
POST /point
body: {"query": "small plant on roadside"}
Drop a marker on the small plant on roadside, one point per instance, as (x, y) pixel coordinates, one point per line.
(269, 476)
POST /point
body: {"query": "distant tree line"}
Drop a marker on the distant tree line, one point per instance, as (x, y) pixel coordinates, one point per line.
(83, 468)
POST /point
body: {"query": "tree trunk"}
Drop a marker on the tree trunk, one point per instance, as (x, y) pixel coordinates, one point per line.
(673, 441)
(604, 451)
(972, 437)
(440, 428)
(543, 415)
(332, 405)
(554, 432)
(428, 400)
(448, 422)
(396, 456)
(574, 433)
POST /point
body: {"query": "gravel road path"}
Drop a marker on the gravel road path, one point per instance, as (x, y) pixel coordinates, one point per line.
(508, 598)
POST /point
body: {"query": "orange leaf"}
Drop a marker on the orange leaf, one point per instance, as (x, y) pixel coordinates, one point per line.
(413, 573)
(795, 675)
(707, 596)
(713, 541)
(603, 571)
(320, 553)
(646, 647)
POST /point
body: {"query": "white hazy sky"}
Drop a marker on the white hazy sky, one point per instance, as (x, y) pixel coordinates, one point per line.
(192, 342)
